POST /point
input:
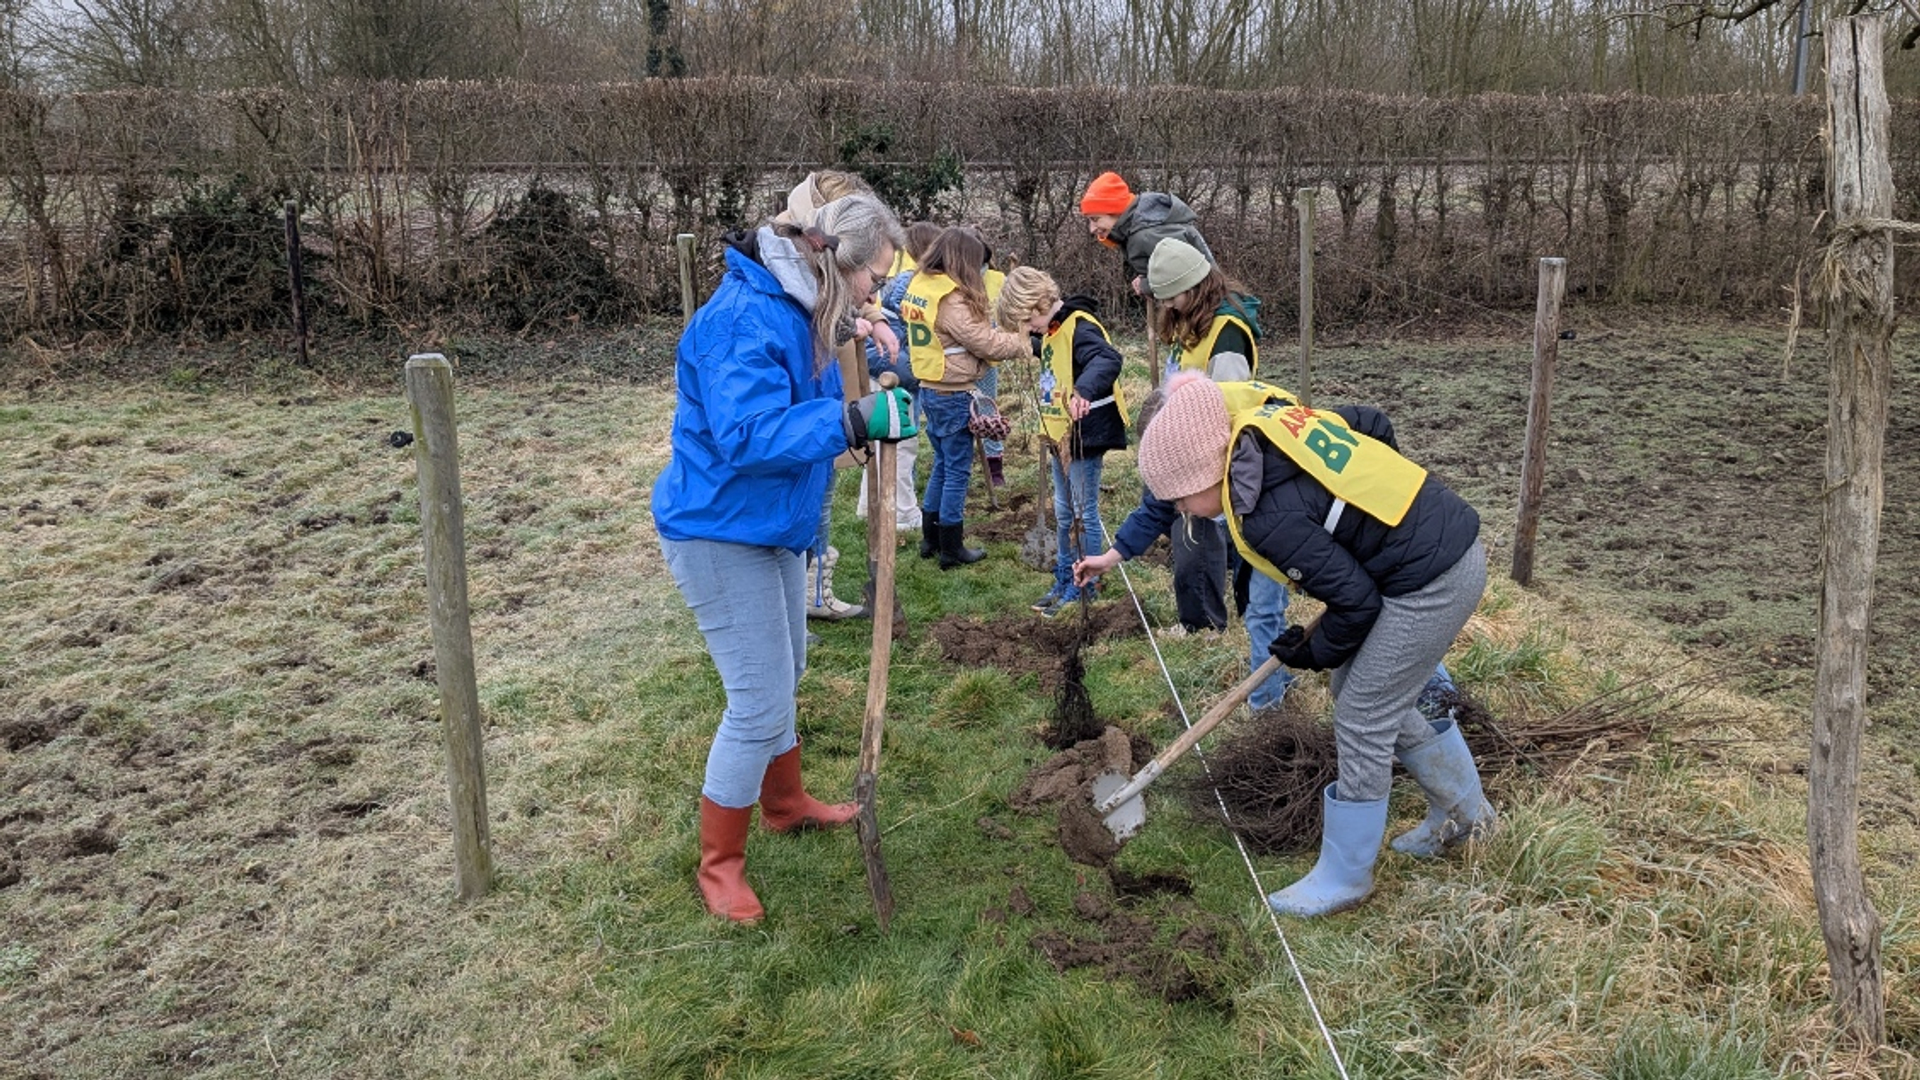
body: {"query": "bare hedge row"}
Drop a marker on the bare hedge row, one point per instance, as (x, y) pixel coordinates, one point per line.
(524, 206)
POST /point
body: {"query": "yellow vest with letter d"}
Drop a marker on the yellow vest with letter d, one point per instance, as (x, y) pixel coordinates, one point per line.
(917, 308)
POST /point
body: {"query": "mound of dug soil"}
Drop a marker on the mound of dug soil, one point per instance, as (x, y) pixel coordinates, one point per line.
(1022, 642)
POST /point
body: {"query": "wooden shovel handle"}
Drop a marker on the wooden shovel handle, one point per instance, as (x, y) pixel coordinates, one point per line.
(1188, 738)
(880, 514)
(1214, 715)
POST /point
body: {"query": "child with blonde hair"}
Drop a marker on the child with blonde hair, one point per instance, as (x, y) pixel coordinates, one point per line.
(1081, 413)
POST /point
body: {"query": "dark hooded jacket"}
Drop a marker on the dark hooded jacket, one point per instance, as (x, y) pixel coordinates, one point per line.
(1283, 513)
(1154, 216)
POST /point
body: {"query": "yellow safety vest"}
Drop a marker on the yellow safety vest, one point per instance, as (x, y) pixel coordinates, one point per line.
(917, 309)
(1181, 359)
(995, 281)
(1056, 377)
(902, 262)
(1359, 470)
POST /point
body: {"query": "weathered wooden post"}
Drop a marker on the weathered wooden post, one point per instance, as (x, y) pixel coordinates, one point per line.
(296, 282)
(683, 246)
(1533, 462)
(1308, 199)
(443, 529)
(1856, 294)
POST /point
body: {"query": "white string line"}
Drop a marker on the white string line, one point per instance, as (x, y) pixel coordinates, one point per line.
(1246, 859)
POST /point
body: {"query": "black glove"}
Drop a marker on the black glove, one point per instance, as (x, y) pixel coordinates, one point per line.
(1293, 649)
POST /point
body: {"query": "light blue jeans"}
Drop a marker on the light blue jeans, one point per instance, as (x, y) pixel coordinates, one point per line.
(750, 604)
(1083, 476)
(947, 415)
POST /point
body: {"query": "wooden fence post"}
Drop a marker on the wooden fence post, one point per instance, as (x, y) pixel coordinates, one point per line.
(1533, 462)
(296, 281)
(683, 246)
(443, 529)
(1856, 293)
(1307, 197)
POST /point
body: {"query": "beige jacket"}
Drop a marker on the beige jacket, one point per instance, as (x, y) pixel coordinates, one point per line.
(971, 343)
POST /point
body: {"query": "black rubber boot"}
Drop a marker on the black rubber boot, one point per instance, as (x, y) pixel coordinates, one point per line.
(953, 549)
(929, 533)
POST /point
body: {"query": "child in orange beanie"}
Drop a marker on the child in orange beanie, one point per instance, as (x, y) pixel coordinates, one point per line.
(1134, 223)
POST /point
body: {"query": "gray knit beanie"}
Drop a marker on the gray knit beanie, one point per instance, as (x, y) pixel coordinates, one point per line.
(1175, 267)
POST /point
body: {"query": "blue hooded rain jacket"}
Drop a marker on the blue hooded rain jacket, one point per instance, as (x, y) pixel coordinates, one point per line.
(755, 427)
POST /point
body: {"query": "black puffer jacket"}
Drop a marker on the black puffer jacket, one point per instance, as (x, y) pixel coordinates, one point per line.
(1096, 366)
(1283, 513)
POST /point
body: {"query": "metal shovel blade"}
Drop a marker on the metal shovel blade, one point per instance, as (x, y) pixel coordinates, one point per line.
(1123, 820)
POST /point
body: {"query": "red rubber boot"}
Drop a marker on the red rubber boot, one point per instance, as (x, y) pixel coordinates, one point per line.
(723, 862)
(785, 805)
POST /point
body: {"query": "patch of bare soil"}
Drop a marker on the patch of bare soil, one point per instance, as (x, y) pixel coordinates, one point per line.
(1023, 642)
(1172, 949)
(1010, 523)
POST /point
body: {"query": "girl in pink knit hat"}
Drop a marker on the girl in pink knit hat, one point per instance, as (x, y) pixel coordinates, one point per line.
(1322, 498)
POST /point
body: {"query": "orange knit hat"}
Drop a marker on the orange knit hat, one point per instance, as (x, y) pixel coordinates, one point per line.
(1108, 194)
(1184, 449)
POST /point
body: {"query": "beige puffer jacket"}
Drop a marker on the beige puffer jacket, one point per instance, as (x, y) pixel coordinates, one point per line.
(971, 343)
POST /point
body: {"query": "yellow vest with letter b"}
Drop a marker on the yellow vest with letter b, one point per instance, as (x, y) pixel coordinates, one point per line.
(1359, 470)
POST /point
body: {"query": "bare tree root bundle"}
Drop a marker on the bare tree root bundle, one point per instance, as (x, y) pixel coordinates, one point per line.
(1269, 773)
(1074, 720)
(1606, 730)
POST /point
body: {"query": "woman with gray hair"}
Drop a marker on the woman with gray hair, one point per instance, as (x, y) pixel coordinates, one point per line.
(758, 421)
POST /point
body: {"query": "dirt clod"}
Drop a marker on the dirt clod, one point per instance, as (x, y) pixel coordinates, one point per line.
(181, 577)
(91, 840)
(1084, 837)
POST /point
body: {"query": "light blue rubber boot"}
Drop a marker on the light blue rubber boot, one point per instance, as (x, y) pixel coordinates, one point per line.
(1349, 843)
(1457, 809)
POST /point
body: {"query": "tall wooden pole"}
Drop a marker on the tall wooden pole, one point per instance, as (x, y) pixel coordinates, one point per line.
(683, 248)
(1856, 293)
(296, 283)
(1533, 462)
(443, 525)
(1308, 198)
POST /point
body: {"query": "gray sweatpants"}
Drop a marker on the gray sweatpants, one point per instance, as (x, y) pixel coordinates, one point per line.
(1374, 693)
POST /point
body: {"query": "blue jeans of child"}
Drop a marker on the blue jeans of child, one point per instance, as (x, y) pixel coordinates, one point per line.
(1266, 618)
(947, 415)
(1083, 476)
(750, 604)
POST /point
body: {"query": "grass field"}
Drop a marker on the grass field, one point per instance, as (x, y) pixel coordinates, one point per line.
(224, 832)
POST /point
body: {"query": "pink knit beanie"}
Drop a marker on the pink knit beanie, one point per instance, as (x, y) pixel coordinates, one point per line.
(1184, 449)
